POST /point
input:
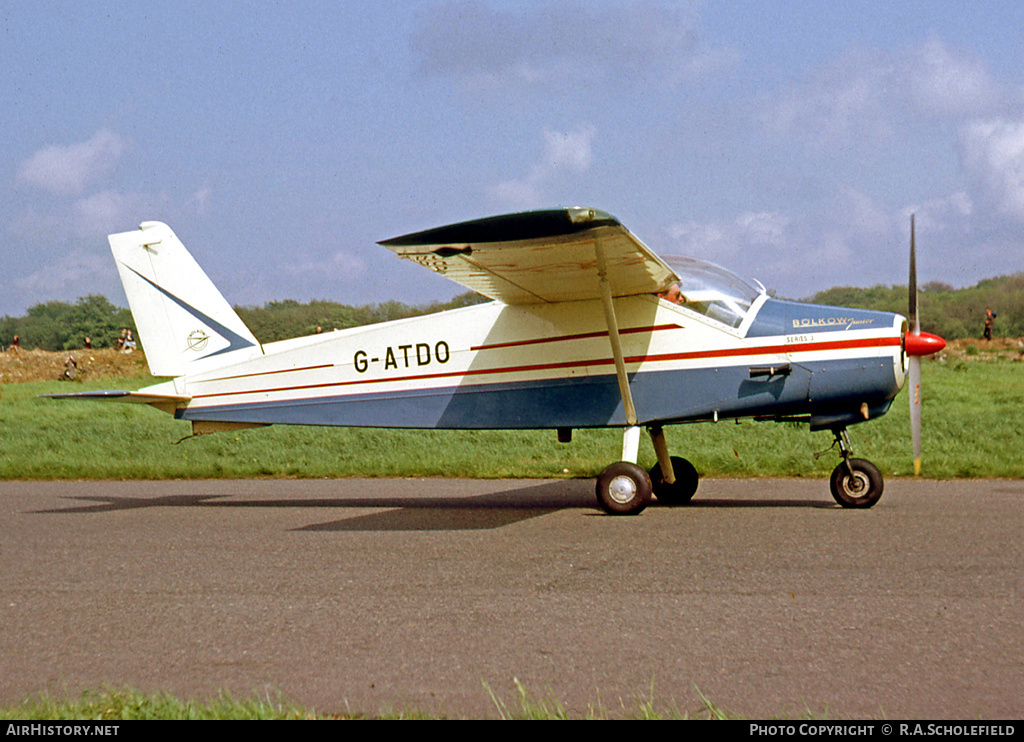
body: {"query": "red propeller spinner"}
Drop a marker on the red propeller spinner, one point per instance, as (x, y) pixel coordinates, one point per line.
(922, 344)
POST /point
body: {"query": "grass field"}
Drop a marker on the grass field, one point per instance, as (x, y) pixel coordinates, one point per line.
(973, 427)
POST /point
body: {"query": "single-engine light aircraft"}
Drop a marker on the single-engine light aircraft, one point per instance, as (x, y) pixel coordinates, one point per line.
(588, 328)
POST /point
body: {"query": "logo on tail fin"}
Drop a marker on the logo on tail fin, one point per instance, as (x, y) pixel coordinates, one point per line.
(198, 339)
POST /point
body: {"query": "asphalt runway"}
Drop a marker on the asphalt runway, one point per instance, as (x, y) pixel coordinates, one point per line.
(369, 595)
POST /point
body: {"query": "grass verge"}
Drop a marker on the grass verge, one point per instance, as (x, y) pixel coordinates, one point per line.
(129, 704)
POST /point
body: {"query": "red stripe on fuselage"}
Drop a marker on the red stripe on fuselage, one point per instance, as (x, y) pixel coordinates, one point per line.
(582, 336)
(785, 348)
(269, 373)
(881, 342)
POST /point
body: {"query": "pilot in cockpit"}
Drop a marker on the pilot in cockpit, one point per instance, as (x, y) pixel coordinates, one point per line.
(672, 294)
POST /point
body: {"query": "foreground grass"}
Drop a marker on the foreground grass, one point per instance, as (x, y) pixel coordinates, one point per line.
(128, 704)
(973, 427)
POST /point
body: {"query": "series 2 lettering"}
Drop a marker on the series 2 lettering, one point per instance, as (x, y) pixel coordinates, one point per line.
(404, 356)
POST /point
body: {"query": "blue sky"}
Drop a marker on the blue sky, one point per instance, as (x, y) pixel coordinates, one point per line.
(788, 141)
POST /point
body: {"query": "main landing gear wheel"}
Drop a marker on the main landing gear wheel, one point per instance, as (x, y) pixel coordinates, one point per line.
(681, 490)
(856, 484)
(623, 489)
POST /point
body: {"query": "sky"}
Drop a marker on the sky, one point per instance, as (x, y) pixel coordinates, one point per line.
(787, 141)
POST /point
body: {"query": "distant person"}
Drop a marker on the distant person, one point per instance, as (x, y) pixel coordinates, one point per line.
(990, 319)
(119, 343)
(16, 344)
(129, 342)
(88, 343)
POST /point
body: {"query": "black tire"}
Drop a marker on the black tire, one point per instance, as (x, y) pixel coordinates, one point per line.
(623, 489)
(862, 490)
(680, 491)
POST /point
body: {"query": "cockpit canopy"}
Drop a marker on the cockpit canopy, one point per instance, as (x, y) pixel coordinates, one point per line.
(713, 291)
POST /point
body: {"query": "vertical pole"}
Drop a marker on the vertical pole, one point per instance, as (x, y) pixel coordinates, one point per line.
(631, 444)
(613, 335)
(631, 436)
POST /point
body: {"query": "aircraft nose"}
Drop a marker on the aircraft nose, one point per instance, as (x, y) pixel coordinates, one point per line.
(923, 344)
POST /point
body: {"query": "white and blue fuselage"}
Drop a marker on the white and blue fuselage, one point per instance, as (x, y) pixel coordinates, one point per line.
(549, 366)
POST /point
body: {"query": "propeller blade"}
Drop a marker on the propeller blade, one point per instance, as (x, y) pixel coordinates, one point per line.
(917, 344)
(915, 324)
(915, 360)
(914, 377)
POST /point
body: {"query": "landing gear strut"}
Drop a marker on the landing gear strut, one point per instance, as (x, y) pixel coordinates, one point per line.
(855, 483)
(680, 491)
(674, 479)
(624, 488)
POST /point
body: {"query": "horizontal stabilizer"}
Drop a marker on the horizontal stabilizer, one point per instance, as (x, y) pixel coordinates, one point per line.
(166, 402)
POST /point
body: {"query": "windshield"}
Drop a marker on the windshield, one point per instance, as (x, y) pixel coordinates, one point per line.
(713, 291)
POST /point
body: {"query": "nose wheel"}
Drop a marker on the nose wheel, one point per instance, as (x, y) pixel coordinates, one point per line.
(855, 483)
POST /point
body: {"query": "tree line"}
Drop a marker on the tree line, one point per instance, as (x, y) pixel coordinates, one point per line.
(58, 325)
(946, 311)
(943, 310)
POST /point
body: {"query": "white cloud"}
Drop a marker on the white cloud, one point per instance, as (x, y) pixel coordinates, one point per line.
(200, 200)
(69, 170)
(993, 154)
(858, 213)
(708, 241)
(945, 82)
(564, 42)
(764, 227)
(564, 152)
(517, 194)
(844, 99)
(848, 239)
(71, 271)
(727, 243)
(89, 218)
(106, 212)
(945, 214)
(568, 151)
(863, 95)
(343, 265)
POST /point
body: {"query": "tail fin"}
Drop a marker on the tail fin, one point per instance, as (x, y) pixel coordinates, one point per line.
(180, 315)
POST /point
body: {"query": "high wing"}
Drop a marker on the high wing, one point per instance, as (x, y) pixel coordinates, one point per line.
(539, 256)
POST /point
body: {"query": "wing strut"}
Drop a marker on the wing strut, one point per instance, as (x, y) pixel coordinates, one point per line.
(631, 437)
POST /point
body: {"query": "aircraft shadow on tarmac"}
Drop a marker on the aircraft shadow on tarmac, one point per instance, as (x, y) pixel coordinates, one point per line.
(424, 513)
